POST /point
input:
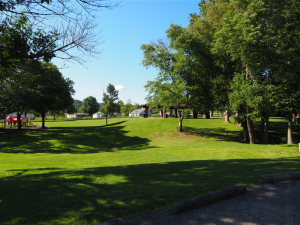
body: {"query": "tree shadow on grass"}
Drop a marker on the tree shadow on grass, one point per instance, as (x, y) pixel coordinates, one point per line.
(75, 140)
(218, 134)
(277, 132)
(93, 195)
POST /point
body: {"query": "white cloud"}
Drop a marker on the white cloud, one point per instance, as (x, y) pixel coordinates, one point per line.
(119, 87)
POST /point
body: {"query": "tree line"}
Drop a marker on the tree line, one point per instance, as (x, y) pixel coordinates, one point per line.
(238, 56)
(108, 106)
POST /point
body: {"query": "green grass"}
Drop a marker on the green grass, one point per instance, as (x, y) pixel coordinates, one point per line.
(83, 172)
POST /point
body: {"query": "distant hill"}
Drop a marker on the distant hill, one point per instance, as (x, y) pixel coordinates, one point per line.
(78, 103)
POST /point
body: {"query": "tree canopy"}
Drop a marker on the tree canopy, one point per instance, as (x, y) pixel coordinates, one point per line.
(235, 55)
(89, 105)
(108, 107)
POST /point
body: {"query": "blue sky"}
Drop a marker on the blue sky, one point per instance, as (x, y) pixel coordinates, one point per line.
(124, 30)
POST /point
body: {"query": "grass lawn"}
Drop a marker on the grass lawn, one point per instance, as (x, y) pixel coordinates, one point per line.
(83, 172)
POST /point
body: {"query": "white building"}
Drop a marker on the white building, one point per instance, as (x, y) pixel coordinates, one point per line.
(137, 113)
(77, 115)
(97, 115)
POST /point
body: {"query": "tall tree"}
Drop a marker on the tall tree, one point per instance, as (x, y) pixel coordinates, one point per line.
(17, 88)
(205, 25)
(52, 91)
(109, 98)
(258, 34)
(169, 88)
(89, 105)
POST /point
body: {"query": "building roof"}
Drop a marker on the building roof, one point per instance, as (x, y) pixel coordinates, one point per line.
(138, 111)
(182, 106)
(81, 114)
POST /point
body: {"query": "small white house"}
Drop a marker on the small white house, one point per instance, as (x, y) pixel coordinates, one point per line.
(137, 113)
(97, 115)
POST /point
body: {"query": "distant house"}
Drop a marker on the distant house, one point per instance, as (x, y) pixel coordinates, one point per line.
(116, 114)
(137, 113)
(78, 115)
(97, 115)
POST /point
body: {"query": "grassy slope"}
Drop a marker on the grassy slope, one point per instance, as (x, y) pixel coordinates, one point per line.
(82, 172)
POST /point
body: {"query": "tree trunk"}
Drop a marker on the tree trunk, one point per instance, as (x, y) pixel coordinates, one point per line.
(211, 113)
(106, 120)
(19, 120)
(289, 134)
(266, 129)
(245, 131)
(43, 120)
(249, 127)
(180, 122)
(54, 116)
(262, 123)
(227, 117)
(236, 118)
(194, 114)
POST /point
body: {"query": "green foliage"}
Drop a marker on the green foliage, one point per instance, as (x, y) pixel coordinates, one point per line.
(169, 88)
(19, 42)
(89, 105)
(52, 90)
(108, 107)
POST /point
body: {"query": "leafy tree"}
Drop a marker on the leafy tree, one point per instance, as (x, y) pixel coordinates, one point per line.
(205, 25)
(17, 88)
(121, 106)
(108, 99)
(71, 109)
(170, 87)
(89, 105)
(20, 43)
(258, 34)
(128, 107)
(52, 91)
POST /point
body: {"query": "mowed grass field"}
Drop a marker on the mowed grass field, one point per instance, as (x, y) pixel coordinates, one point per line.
(83, 172)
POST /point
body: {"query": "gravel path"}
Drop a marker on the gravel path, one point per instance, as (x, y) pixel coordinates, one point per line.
(263, 204)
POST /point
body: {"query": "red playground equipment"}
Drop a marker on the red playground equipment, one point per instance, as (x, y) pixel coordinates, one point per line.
(12, 121)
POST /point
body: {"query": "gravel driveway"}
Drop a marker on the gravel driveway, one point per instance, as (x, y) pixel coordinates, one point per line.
(263, 204)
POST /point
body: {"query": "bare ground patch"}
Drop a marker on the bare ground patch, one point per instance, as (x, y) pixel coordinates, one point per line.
(15, 130)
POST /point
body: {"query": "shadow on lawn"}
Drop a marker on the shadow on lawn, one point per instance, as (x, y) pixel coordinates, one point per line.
(277, 131)
(92, 195)
(219, 134)
(75, 140)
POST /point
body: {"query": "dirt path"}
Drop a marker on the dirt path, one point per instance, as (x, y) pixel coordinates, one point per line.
(263, 204)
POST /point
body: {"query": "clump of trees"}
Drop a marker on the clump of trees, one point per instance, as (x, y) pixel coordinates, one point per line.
(40, 87)
(239, 56)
